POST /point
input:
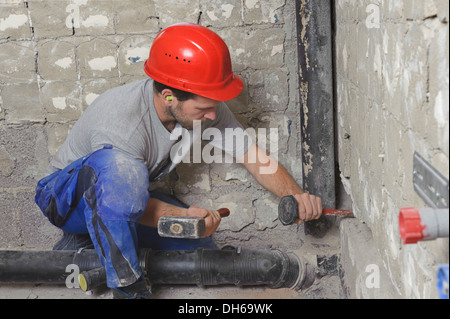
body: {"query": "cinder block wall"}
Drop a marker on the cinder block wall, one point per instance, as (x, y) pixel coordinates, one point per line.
(392, 65)
(57, 56)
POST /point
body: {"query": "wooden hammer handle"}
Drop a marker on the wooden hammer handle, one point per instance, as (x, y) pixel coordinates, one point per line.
(224, 212)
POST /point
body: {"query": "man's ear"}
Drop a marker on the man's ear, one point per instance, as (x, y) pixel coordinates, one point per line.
(167, 95)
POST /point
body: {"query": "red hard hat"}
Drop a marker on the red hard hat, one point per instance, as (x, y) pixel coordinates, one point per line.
(192, 58)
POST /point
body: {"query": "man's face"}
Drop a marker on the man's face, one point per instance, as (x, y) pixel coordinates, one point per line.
(198, 108)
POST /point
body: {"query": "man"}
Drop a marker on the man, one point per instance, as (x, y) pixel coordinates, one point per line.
(98, 184)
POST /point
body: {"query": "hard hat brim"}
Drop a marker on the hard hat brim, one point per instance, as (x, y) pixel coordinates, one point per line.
(228, 90)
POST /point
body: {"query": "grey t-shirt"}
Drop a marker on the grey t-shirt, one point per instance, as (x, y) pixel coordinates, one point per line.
(125, 117)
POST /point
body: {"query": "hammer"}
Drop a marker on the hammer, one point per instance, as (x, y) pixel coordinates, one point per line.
(185, 226)
(288, 211)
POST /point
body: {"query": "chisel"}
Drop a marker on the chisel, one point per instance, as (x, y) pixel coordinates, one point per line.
(288, 211)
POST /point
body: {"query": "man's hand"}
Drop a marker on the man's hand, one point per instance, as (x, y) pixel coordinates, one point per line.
(212, 218)
(309, 207)
(280, 182)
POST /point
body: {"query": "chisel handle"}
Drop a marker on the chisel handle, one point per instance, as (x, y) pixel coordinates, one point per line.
(223, 212)
(288, 211)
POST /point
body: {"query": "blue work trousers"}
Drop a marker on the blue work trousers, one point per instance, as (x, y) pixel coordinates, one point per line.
(104, 194)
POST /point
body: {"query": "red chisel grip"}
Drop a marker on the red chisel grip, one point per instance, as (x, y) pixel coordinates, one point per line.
(338, 212)
(223, 212)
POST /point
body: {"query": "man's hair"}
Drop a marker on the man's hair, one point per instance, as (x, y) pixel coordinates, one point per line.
(179, 94)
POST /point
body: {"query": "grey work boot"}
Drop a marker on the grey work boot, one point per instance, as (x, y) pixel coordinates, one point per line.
(74, 242)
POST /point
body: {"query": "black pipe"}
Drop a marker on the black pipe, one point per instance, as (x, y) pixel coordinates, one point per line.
(201, 267)
(53, 266)
(315, 58)
(91, 279)
(240, 267)
(316, 88)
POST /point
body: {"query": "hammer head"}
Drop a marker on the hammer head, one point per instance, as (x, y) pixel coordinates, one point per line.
(181, 227)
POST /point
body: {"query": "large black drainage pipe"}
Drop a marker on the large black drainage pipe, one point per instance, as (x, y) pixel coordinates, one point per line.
(202, 267)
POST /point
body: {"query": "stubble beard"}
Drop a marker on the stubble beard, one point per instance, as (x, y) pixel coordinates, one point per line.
(180, 117)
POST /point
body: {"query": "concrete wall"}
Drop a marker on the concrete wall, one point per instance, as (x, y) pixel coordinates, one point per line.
(57, 56)
(392, 84)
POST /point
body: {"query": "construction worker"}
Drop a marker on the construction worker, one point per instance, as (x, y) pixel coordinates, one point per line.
(98, 185)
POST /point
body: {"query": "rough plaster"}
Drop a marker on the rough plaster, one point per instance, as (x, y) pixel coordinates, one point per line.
(392, 82)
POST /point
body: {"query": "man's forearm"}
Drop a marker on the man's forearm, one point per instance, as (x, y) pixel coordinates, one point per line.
(280, 183)
(276, 179)
(156, 209)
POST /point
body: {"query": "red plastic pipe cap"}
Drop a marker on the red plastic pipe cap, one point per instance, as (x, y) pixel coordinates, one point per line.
(410, 224)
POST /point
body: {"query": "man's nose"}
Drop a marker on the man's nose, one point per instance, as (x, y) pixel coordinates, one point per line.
(211, 115)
